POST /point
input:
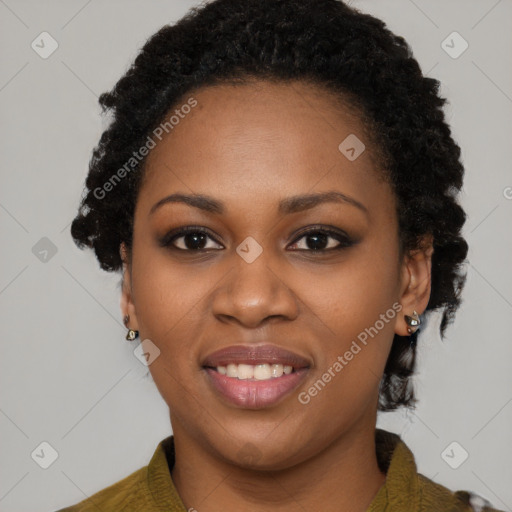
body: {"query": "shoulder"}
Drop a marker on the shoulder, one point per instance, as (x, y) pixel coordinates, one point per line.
(407, 489)
(435, 496)
(128, 494)
(150, 488)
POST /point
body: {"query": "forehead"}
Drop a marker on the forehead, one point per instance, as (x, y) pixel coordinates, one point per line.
(262, 137)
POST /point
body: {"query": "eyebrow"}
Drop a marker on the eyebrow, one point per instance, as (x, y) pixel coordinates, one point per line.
(289, 205)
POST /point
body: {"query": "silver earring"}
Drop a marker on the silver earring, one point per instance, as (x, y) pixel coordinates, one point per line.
(131, 334)
(413, 322)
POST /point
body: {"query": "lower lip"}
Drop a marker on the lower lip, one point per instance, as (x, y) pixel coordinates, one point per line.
(255, 394)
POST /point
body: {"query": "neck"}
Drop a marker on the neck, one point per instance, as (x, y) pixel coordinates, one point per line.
(344, 476)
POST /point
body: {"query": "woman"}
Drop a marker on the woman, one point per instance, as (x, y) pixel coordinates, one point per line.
(278, 188)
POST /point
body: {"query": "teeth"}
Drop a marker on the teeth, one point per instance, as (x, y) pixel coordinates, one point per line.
(245, 371)
(276, 370)
(232, 370)
(262, 372)
(255, 372)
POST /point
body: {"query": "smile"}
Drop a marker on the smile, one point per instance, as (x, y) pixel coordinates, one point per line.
(254, 377)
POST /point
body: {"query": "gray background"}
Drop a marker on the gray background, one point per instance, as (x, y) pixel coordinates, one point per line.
(67, 375)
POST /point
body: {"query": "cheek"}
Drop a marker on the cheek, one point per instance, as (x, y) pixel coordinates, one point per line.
(165, 290)
(173, 311)
(357, 305)
(168, 305)
(352, 296)
(168, 302)
(354, 349)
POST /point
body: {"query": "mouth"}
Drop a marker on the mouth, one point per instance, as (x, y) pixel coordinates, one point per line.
(254, 377)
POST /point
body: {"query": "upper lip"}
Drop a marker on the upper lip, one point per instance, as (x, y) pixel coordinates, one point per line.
(255, 354)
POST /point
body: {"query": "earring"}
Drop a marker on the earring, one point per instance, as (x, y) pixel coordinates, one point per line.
(131, 334)
(413, 322)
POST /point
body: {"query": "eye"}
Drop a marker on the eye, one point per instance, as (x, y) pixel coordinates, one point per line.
(321, 239)
(316, 240)
(189, 238)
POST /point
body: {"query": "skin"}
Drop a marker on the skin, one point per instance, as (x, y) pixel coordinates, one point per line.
(249, 147)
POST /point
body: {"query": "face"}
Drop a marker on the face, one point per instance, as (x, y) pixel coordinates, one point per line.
(275, 313)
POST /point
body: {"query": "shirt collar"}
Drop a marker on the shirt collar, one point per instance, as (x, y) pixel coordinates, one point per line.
(401, 487)
(160, 483)
(393, 456)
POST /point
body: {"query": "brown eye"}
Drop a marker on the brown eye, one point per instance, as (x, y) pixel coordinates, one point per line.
(322, 240)
(189, 238)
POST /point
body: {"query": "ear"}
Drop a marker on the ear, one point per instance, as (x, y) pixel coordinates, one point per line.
(415, 282)
(127, 304)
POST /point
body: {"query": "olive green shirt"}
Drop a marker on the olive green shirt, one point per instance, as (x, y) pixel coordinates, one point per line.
(151, 489)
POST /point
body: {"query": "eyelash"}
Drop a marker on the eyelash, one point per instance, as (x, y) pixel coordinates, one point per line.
(344, 240)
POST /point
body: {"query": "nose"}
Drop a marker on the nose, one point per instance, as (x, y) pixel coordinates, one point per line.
(253, 293)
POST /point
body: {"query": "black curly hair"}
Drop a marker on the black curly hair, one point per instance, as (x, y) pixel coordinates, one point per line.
(329, 44)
